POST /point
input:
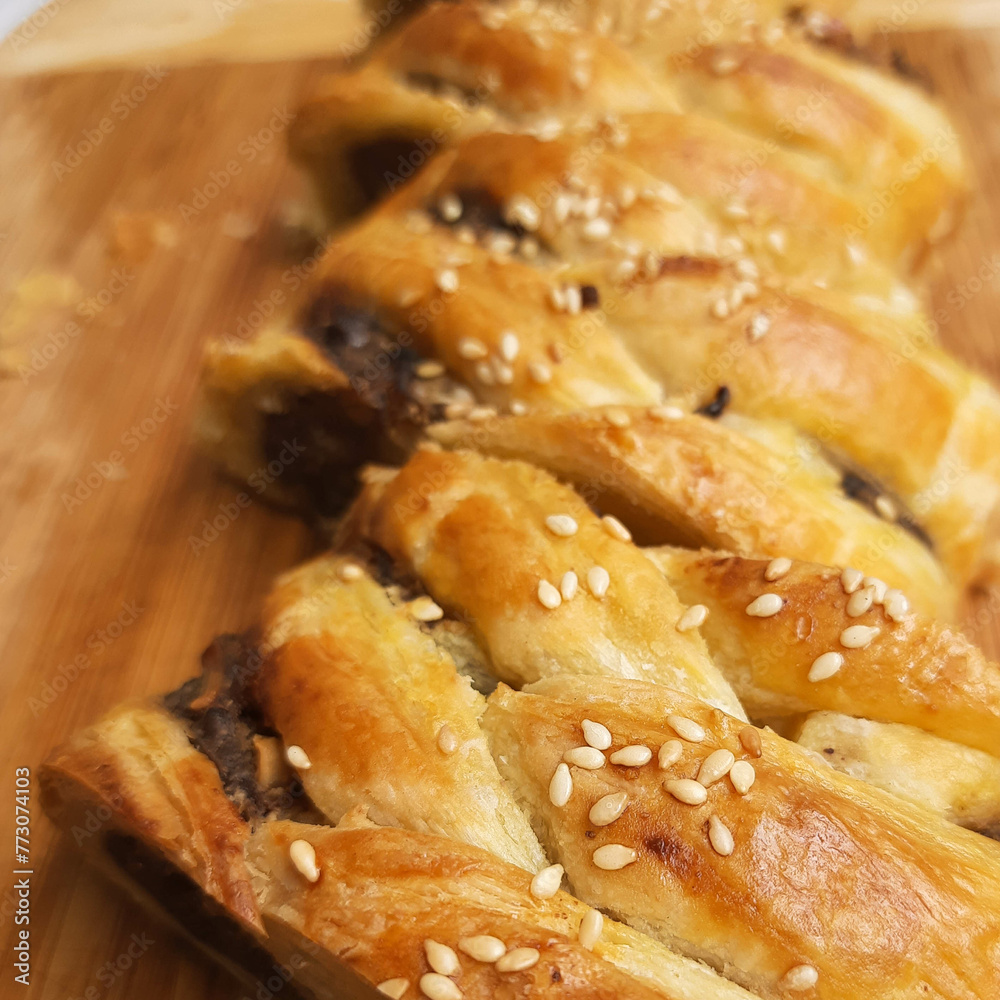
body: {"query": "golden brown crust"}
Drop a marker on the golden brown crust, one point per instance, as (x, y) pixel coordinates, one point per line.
(696, 481)
(454, 69)
(474, 531)
(958, 783)
(381, 893)
(360, 685)
(135, 771)
(915, 671)
(879, 897)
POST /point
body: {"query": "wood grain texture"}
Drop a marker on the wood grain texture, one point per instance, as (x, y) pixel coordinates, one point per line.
(65, 569)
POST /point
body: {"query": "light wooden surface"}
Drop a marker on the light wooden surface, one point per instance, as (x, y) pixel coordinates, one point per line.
(67, 569)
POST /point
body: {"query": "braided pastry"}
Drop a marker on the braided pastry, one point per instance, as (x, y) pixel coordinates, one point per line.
(650, 495)
(729, 845)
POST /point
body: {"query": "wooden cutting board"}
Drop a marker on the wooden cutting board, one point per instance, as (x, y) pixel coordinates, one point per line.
(141, 212)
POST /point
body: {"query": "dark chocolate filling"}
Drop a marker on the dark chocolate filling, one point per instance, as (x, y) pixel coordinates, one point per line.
(221, 719)
(866, 491)
(481, 211)
(717, 405)
(378, 419)
(380, 166)
(197, 912)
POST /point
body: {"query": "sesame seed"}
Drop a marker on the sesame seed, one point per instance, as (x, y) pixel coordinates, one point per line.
(860, 601)
(720, 308)
(669, 754)
(626, 196)
(612, 857)
(480, 413)
(758, 326)
(447, 280)
(686, 790)
(589, 758)
(851, 579)
(618, 418)
(518, 960)
(715, 766)
(597, 229)
(484, 373)
(518, 408)
(734, 210)
(747, 269)
(502, 243)
(777, 568)
(556, 352)
(666, 412)
(528, 248)
(591, 927)
(548, 596)
(450, 207)
(723, 65)
(561, 786)
(858, 636)
(425, 610)
(608, 808)
(447, 741)
(686, 729)
(394, 988)
(298, 758)
(615, 528)
(896, 605)
(546, 883)
(574, 300)
(540, 372)
(742, 775)
(562, 525)
(429, 369)
(825, 666)
(485, 947)
(886, 508)
(750, 741)
(303, 856)
(522, 211)
(880, 587)
(503, 372)
(777, 241)
(635, 755)
(557, 299)
(598, 581)
(765, 606)
(441, 958)
(596, 735)
(569, 585)
(350, 571)
(800, 978)
(509, 345)
(437, 987)
(694, 617)
(719, 836)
